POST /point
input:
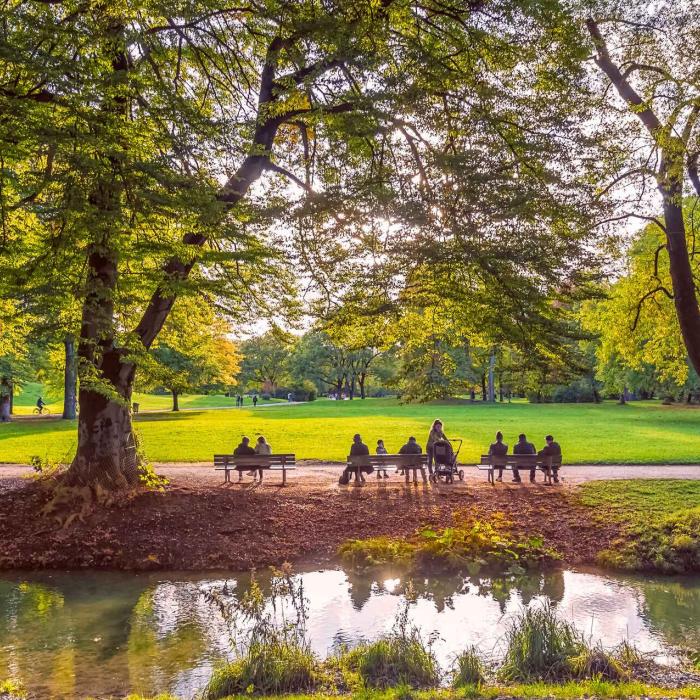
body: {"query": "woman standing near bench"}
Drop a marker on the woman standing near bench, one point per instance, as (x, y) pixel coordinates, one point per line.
(434, 435)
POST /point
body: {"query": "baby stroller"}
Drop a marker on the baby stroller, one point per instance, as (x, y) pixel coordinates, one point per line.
(445, 461)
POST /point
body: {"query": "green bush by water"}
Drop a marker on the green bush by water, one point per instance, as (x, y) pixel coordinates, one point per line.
(478, 543)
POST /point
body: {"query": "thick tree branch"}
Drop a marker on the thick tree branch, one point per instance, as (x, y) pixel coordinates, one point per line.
(626, 91)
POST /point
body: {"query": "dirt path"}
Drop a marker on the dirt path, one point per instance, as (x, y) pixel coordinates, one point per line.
(199, 523)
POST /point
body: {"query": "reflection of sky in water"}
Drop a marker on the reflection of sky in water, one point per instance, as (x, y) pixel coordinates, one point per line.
(96, 633)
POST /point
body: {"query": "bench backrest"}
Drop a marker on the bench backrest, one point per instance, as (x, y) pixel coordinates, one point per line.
(255, 460)
(388, 460)
(520, 460)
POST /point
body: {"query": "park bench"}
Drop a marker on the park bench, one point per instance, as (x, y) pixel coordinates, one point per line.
(408, 463)
(525, 462)
(261, 463)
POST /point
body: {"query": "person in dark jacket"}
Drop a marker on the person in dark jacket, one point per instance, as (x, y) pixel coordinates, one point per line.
(500, 449)
(358, 449)
(244, 449)
(523, 447)
(552, 449)
(410, 448)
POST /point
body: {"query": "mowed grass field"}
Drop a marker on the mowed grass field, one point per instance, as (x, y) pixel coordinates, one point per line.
(25, 402)
(641, 432)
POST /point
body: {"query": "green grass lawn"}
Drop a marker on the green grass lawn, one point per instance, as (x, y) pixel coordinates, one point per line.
(640, 501)
(25, 402)
(643, 432)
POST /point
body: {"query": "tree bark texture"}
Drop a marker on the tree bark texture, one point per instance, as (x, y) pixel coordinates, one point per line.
(70, 379)
(176, 404)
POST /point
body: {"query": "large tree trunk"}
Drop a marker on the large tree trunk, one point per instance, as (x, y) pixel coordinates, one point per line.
(176, 405)
(70, 379)
(684, 295)
(361, 381)
(107, 453)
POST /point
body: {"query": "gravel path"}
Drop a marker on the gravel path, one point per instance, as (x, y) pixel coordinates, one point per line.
(324, 473)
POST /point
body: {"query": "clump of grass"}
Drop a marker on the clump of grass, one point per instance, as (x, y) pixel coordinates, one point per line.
(269, 668)
(272, 649)
(540, 646)
(596, 663)
(469, 669)
(627, 654)
(400, 658)
(670, 545)
(487, 544)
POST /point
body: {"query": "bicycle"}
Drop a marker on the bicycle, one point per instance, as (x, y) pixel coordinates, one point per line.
(41, 411)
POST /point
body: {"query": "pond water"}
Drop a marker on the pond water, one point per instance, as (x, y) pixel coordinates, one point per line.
(68, 635)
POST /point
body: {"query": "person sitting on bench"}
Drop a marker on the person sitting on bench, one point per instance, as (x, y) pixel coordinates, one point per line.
(500, 449)
(357, 449)
(551, 449)
(381, 450)
(244, 449)
(410, 448)
(523, 447)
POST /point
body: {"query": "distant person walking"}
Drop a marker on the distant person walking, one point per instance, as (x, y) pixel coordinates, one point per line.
(552, 449)
(523, 447)
(500, 449)
(255, 400)
(436, 433)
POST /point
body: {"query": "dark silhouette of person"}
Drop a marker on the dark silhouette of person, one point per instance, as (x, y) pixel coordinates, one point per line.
(552, 449)
(244, 449)
(523, 447)
(500, 449)
(358, 449)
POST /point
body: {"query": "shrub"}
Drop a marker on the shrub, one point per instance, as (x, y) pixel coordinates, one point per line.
(469, 669)
(453, 548)
(671, 545)
(540, 646)
(375, 551)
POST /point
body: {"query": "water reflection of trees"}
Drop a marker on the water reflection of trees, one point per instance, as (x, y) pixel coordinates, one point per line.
(672, 608)
(68, 634)
(442, 589)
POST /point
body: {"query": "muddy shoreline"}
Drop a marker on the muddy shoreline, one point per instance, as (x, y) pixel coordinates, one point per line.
(198, 524)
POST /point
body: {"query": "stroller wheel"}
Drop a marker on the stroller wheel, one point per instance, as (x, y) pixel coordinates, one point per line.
(460, 474)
